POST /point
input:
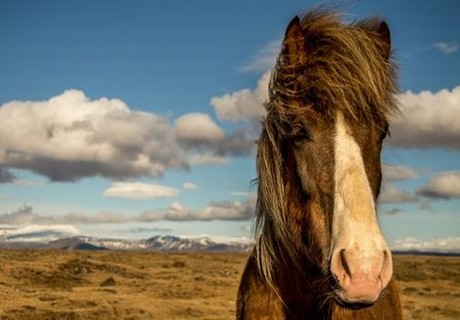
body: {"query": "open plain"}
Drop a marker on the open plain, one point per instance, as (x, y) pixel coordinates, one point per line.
(47, 284)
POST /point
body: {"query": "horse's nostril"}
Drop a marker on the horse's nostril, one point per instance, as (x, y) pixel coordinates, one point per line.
(345, 266)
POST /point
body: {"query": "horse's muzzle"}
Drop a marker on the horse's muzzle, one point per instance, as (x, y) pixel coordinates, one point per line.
(361, 275)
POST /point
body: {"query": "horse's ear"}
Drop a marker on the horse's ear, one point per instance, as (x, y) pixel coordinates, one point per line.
(383, 31)
(294, 42)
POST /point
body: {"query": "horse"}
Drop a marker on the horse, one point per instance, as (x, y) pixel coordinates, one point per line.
(319, 251)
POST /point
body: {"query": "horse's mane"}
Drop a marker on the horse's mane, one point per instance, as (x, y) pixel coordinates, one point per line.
(348, 67)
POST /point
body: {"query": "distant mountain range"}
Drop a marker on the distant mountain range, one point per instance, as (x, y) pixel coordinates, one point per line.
(169, 243)
(166, 243)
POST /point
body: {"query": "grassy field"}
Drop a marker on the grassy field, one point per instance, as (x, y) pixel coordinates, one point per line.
(137, 285)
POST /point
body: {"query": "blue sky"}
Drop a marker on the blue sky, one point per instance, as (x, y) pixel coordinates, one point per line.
(146, 112)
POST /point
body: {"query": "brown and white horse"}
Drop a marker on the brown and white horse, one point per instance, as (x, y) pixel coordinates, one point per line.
(319, 252)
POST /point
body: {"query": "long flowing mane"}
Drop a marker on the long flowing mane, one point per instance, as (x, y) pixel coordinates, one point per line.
(346, 70)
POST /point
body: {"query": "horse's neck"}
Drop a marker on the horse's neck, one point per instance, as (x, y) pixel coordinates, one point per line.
(303, 293)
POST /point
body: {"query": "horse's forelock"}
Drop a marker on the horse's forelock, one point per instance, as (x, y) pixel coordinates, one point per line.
(347, 68)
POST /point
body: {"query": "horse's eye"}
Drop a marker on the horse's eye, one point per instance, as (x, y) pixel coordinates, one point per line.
(384, 133)
(300, 134)
(304, 135)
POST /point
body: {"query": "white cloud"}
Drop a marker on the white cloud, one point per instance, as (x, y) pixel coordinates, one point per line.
(427, 120)
(70, 136)
(176, 211)
(244, 104)
(226, 211)
(442, 186)
(446, 47)
(22, 216)
(265, 59)
(223, 210)
(139, 190)
(449, 245)
(150, 215)
(197, 128)
(190, 186)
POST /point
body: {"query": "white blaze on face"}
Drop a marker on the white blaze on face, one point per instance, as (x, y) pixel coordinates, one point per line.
(354, 207)
(360, 257)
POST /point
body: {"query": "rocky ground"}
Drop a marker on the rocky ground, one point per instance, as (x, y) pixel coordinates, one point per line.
(57, 284)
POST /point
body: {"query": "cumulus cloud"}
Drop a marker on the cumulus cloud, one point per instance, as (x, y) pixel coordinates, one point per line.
(245, 104)
(446, 47)
(241, 142)
(150, 215)
(23, 215)
(427, 120)
(442, 186)
(229, 210)
(197, 129)
(139, 190)
(222, 210)
(70, 136)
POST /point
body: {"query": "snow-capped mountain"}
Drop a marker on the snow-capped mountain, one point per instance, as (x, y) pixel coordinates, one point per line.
(69, 238)
(170, 243)
(173, 243)
(448, 246)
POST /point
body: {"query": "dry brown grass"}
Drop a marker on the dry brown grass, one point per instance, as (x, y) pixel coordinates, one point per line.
(138, 285)
(430, 287)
